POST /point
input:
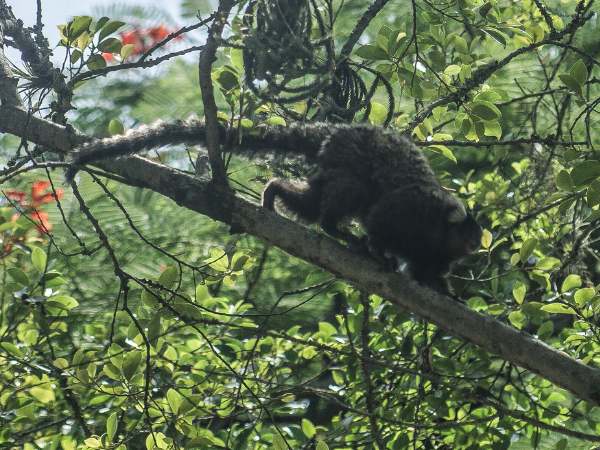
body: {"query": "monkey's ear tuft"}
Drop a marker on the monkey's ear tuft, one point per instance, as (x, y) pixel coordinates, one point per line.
(457, 214)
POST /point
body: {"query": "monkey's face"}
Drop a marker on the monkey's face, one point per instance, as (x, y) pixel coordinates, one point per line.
(464, 237)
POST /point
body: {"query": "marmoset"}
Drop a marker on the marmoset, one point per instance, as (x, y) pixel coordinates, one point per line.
(377, 178)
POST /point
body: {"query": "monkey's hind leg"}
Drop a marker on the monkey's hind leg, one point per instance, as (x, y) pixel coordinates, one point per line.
(300, 199)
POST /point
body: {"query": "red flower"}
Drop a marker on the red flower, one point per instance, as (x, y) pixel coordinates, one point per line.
(38, 198)
(142, 39)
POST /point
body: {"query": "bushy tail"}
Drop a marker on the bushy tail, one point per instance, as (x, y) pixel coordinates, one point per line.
(277, 141)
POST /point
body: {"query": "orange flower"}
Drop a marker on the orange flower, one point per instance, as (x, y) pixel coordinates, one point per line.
(38, 198)
(142, 39)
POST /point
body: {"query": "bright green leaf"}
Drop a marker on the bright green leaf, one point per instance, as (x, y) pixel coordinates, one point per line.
(38, 257)
(452, 69)
(308, 428)
(174, 400)
(558, 308)
(111, 427)
(115, 127)
(517, 318)
(127, 50)
(519, 290)
(582, 296)
(276, 120)
(571, 282)
(527, 249)
(548, 263)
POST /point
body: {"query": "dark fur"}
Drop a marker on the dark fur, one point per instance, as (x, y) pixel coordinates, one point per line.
(383, 181)
(378, 178)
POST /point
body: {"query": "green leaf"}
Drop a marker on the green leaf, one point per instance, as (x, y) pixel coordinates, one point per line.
(110, 45)
(226, 79)
(443, 150)
(11, 349)
(582, 296)
(279, 443)
(496, 309)
(115, 127)
(371, 52)
(287, 398)
(562, 444)
(484, 110)
(276, 120)
(486, 239)
(18, 275)
(61, 363)
(579, 73)
(43, 393)
(546, 330)
(174, 400)
(218, 260)
(571, 83)
(517, 318)
(461, 45)
(488, 96)
(593, 193)
(96, 62)
(548, 263)
(93, 442)
(564, 181)
(527, 249)
(109, 29)
(493, 129)
(558, 308)
(154, 328)
(127, 50)
(321, 445)
(378, 113)
(111, 427)
(241, 261)
(571, 282)
(496, 35)
(131, 362)
(571, 154)
(439, 112)
(519, 290)
(465, 72)
(199, 442)
(62, 302)
(78, 27)
(308, 428)
(169, 277)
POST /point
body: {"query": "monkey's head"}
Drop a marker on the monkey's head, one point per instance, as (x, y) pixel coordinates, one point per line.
(463, 232)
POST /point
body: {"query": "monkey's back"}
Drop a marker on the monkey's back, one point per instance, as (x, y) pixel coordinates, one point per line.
(373, 156)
